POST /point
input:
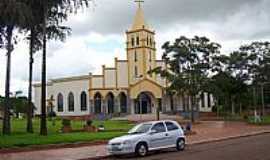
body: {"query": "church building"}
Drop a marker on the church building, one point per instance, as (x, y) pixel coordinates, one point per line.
(126, 88)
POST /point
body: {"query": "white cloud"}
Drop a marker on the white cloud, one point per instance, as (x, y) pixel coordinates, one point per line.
(99, 33)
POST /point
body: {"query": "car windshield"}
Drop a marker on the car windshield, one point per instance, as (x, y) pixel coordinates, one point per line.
(141, 128)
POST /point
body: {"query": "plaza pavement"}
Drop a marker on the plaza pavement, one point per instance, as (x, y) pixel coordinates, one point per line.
(205, 132)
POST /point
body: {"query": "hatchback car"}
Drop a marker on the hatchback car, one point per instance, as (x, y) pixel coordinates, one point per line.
(149, 136)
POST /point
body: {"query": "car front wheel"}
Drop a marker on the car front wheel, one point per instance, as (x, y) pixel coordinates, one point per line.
(180, 144)
(141, 149)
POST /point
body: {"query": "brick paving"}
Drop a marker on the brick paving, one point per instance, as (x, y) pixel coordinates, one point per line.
(213, 130)
(206, 131)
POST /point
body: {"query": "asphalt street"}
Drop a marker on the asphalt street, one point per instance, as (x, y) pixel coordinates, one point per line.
(247, 148)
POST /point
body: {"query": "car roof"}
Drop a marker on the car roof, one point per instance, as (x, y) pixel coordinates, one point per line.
(154, 122)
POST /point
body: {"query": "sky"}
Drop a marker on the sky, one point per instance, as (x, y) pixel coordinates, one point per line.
(98, 34)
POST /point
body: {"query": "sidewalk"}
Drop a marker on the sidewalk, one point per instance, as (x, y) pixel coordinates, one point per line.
(206, 131)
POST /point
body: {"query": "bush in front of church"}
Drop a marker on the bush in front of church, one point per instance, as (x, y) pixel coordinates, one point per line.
(66, 126)
(89, 127)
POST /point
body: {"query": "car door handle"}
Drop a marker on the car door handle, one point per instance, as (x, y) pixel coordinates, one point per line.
(166, 134)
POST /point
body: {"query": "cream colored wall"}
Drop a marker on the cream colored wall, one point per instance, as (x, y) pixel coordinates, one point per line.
(143, 64)
(37, 96)
(146, 86)
(207, 107)
(97, 82)
(139, 63)
(122, 74)
(110, 78)
(178, 103)
(74, 86)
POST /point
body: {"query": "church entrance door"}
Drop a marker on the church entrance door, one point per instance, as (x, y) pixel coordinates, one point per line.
(110, 103)
(143, 104)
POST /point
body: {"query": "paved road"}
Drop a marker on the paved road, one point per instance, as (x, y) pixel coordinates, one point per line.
(248, 148)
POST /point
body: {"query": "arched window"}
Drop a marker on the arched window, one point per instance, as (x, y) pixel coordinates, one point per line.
(202, 100)
(150, 56)
(136, 71)
(71, 102)
(83, 101)
(137, 41)
(60, 102)
(209, 100)
(150, 69)
(132, 41)
(97, 101)
(135, 56)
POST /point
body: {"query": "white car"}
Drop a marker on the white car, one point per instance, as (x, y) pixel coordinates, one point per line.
(149, 136)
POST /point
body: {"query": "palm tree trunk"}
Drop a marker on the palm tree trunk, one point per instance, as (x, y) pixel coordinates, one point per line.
(43, 123)
(6, 121)
(30, 107)
(192, 109)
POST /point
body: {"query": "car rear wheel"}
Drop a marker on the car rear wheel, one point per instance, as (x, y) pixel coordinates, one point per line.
(141, 149)
(180, 144)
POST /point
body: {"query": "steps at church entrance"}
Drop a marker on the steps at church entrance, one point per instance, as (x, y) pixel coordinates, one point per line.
(152, 117)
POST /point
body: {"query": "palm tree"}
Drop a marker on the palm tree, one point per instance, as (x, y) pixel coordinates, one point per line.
(61, 7)
(13, 14)
(34, 46)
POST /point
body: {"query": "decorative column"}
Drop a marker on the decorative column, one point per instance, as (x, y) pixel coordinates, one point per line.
(104, 106)
(132, 106)
(129, 105)
(117, 105)
(91, 106)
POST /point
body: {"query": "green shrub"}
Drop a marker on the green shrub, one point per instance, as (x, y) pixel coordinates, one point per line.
(89, 122)
(52, 114)
(66, 122)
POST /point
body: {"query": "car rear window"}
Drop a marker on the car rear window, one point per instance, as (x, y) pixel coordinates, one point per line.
(171, 126)
(159, 127)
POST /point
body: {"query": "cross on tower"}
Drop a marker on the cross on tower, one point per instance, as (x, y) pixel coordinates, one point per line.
(139, 2)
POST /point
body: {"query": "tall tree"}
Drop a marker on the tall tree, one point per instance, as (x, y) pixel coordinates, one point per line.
(35, 30)
(58, 6)
(189, 65)
(13, 14)
(259, 66)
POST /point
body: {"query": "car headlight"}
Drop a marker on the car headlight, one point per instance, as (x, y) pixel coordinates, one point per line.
(127, 142)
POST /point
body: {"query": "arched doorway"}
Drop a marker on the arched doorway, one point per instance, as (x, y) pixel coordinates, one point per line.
(143, 103)
(110, 103)
(123, 102)
(97, 102)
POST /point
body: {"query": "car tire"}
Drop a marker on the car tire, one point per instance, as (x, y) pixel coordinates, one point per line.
(141, 149)
(180, 144)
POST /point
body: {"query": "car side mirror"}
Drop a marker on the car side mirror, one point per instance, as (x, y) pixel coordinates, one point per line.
(153, 132)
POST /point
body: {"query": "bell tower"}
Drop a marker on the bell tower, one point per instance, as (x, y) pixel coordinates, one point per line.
(141, 51)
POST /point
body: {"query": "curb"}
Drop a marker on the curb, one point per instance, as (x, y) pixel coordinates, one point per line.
(50, 147)
(97, 158)
(228, 138)
(200, 142)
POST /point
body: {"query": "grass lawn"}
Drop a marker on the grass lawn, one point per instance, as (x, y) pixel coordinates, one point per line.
(19, 138)
(264, 120)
